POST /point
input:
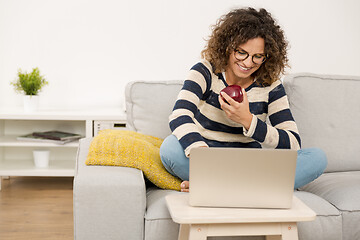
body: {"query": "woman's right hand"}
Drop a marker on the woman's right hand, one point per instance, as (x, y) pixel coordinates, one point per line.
(237, 112)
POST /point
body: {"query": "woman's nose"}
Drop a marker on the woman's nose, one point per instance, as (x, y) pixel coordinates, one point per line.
(248, 62)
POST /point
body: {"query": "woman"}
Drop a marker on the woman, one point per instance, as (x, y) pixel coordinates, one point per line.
(249, 49)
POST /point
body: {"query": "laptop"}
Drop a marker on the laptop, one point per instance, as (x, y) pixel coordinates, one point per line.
(242, 177)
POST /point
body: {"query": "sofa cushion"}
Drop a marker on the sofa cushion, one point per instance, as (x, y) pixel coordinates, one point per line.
(319, 205)
(158, 222)
(132, 149)
(351, 229)
(326, 110)
(328, 222)
(156, 205)
(342, 189)
(149, 105)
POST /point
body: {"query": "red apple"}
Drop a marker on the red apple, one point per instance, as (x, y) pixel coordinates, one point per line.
(234, 91)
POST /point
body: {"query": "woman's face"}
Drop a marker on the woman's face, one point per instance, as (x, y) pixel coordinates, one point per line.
(242, 69)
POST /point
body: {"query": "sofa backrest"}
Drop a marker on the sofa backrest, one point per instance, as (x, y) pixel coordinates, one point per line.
(149, 105)
(327, 111)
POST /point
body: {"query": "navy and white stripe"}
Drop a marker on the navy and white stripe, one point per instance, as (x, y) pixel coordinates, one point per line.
(197, 119)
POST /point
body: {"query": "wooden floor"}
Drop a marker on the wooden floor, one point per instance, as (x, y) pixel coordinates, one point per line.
(36, 208)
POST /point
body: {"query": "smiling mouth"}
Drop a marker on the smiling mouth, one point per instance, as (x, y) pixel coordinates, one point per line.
(244, 68)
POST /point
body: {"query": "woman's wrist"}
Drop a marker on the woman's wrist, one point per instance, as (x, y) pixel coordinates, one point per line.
(247, 121)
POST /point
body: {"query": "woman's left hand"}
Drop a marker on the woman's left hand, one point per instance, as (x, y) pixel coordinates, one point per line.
(237, 112)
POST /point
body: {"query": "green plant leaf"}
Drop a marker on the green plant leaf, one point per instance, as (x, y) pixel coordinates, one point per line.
(29, 83)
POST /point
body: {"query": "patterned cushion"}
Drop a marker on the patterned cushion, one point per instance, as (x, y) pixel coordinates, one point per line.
(131, 149)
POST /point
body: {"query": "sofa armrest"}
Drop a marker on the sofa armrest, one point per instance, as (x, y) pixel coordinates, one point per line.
(109, 202)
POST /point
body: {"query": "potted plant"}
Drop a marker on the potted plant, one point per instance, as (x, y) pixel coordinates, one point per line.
(29, 84)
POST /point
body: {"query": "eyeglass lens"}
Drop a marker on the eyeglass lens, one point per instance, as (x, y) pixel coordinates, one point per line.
(256, 58)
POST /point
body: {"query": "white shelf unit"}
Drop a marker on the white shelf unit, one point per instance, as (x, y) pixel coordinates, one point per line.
(16, 156)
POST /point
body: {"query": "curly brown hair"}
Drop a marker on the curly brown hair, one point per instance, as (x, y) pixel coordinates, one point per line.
(239, 26)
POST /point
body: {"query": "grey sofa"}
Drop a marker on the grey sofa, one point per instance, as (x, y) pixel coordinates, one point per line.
(118, 203)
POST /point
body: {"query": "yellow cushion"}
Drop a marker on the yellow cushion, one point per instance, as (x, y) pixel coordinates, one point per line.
(131, 149)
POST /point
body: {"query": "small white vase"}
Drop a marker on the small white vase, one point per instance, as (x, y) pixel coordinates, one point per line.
(41, 158)
(31, 103)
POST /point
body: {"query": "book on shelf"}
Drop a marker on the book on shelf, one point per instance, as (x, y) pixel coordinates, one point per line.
(56, 137)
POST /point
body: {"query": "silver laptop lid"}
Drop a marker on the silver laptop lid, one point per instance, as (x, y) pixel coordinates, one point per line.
(239, 177)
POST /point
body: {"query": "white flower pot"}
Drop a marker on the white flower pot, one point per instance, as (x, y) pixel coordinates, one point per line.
(31, 103)
(41, 158)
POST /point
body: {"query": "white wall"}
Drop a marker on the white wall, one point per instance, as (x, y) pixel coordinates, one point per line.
(89, 50)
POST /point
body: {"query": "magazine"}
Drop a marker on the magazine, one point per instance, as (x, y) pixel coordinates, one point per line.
(34, 138)
(57, 135)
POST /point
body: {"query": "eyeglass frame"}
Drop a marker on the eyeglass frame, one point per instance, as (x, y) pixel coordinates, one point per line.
(266, 56)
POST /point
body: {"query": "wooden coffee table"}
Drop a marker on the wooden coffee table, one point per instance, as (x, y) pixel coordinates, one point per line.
(197, 223)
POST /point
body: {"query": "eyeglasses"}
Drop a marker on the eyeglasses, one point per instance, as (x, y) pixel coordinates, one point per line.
(257, 58)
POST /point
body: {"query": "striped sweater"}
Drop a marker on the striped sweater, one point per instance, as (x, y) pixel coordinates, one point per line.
(198, 120)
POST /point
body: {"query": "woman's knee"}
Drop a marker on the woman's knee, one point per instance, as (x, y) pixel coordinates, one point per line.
(164, 150)
(173, 157)
(169, 146)
(170, 149)
(320, 157)
(311, 164)
(312, 160)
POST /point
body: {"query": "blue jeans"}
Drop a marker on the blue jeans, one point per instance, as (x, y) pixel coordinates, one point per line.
(311, 162)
